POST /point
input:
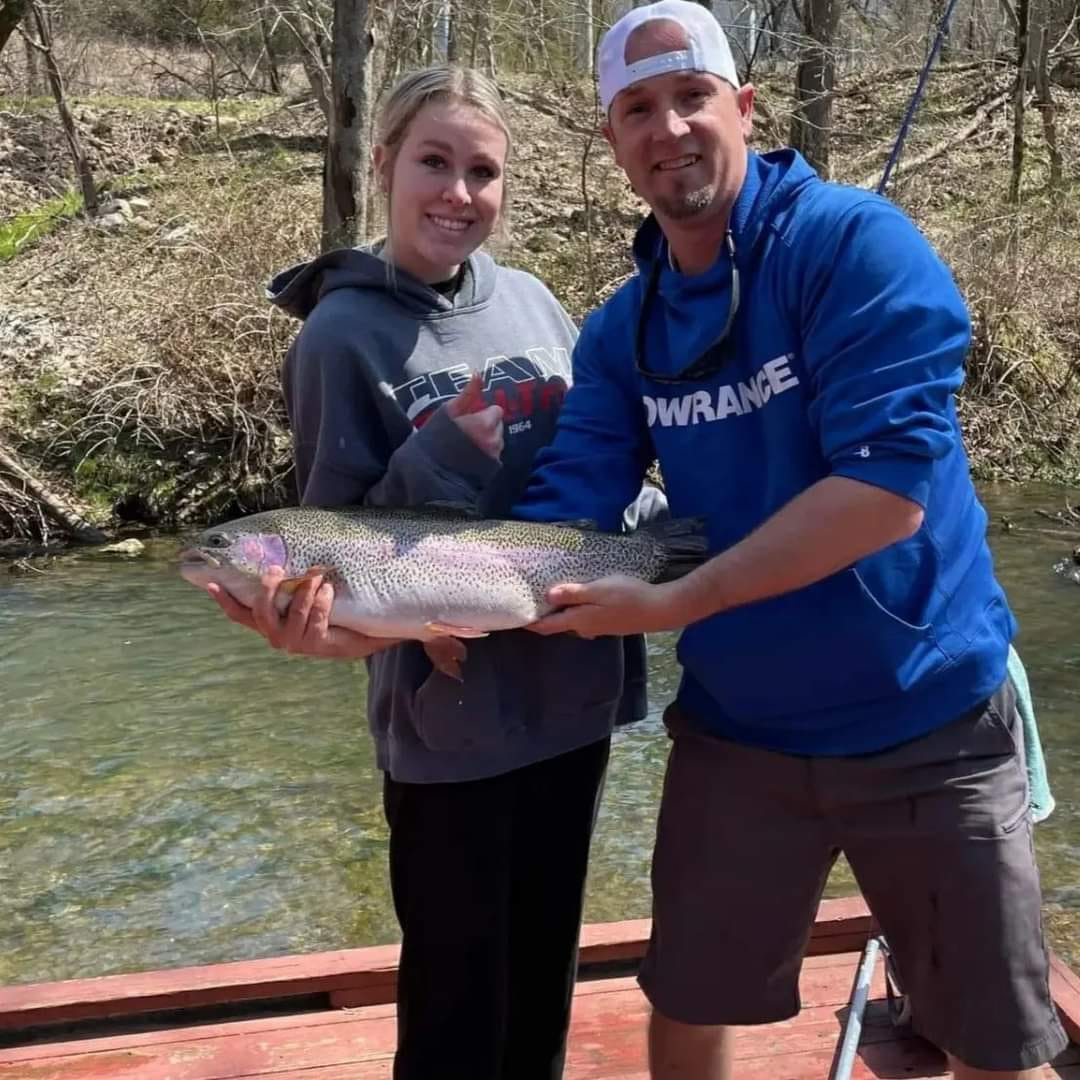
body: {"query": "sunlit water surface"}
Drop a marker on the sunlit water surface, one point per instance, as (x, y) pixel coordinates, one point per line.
(174, 793)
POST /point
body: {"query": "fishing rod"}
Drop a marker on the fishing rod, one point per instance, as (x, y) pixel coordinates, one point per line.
(909, 116)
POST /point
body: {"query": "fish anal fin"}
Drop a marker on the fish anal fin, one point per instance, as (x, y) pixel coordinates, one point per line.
(447, 655)
(442, 629)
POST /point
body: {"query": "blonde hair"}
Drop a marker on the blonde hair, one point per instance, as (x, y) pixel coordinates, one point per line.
(439, 84)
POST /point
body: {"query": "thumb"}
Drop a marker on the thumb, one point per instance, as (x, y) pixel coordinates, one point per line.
(471, 398)
(569, 595)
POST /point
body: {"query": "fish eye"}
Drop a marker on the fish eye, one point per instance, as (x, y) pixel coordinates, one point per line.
(215, 540)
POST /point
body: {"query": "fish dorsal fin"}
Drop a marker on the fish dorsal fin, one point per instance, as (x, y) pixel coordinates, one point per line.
(451, 508)
(580, 523)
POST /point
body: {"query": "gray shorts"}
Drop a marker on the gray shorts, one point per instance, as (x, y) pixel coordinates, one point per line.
(938, 834)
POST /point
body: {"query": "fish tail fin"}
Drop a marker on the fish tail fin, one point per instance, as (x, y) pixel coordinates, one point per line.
(683, 542)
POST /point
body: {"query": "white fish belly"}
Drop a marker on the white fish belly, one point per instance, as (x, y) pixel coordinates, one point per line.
(409, 614)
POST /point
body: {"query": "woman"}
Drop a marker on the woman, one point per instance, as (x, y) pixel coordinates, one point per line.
(426, 372)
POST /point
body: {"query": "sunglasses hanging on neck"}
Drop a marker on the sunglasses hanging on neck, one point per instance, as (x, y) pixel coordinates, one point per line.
(714, 357)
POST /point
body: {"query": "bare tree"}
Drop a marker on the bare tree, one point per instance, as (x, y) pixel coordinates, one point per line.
(937, 16)
(33, 80)
(11, 14)
(347, 146)
(44, 45)
(811, 120)
(268, 48)
(482, 49)
(583, 23)
(441, 32)
(305, 23)
(1044, 100)
(1023, 18)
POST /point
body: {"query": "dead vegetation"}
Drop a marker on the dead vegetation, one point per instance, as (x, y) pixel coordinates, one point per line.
(164, 405)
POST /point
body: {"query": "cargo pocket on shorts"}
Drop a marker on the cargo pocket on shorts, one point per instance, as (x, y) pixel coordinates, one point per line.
(999, 728)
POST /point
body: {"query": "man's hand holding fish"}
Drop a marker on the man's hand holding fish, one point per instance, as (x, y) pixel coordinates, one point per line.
(616, 604)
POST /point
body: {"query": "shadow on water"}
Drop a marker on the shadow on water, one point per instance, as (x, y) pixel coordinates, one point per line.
(172, 792)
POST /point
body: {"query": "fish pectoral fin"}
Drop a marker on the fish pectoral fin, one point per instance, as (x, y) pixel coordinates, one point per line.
(291, 584)
(446, 630)
(446, 655)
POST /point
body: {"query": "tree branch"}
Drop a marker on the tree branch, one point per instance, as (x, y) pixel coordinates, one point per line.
(941, 147)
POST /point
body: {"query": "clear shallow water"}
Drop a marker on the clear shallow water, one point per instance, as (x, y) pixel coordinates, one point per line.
(172, 792)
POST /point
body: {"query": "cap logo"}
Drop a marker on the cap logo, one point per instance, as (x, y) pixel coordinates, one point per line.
(662, 64)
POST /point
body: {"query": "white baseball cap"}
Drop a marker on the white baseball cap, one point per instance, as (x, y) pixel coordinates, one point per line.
(707, 48)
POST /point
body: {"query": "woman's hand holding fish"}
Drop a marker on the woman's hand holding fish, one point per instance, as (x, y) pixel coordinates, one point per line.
(483, 424)
(612, 605)
(304, 628)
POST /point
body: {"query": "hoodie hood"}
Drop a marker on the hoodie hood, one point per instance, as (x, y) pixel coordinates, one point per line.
(299, 288)
(772, 181)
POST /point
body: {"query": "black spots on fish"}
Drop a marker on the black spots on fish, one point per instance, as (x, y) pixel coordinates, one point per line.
(448, 566)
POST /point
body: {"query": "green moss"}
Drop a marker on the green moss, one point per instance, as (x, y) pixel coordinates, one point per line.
(24, 230)
(27, 228)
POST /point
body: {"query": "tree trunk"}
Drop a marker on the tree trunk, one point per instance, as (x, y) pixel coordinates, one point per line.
(583, 36)
(312, 62)
(453, 37)
(483, 50)
(78, 155)
(345, 174)
(811, 121)
(271, 57)
(535, 30)
(937, 13)
(440, 32)
(1023, 16)
(33, 76)
(1045, 102)
(319, 32)
(11, 14)
(53, 505)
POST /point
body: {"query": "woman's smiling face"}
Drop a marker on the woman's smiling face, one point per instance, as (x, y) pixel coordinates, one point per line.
(445, 183)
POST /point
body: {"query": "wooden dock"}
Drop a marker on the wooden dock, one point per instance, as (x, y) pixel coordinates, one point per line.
(329, 1016)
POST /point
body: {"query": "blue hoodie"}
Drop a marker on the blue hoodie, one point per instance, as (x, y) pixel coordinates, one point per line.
(843, 360)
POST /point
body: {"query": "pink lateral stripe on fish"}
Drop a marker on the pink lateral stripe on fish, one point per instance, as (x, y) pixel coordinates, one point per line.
(414, 573)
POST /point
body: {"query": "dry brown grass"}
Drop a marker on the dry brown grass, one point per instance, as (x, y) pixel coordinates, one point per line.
(177, 395)
(104, 66)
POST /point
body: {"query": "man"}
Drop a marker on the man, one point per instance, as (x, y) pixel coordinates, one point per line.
(790, 349)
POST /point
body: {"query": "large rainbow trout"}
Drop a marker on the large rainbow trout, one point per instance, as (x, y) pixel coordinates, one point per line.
(430, 574)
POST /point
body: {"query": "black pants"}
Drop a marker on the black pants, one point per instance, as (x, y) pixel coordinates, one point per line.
(488, 882)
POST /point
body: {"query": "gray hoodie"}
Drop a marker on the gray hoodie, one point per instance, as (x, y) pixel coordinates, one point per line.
(364, 383)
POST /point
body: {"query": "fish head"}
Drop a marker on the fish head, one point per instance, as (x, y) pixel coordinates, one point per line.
(234, 556)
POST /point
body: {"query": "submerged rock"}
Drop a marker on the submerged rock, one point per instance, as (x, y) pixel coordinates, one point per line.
(129, 547)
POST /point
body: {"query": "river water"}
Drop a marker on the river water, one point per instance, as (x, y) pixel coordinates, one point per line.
(172, 792)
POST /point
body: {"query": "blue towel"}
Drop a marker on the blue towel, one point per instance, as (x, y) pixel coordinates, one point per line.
(1042, 802)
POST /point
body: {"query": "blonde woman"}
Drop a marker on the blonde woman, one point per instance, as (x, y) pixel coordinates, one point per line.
(425, 371)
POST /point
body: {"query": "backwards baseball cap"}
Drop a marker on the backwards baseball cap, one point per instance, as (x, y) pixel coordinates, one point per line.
(707, 48)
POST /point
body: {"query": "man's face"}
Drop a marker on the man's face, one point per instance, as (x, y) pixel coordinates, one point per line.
(681, 137)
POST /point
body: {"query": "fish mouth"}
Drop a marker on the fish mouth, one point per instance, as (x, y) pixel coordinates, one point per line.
(195, 557)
